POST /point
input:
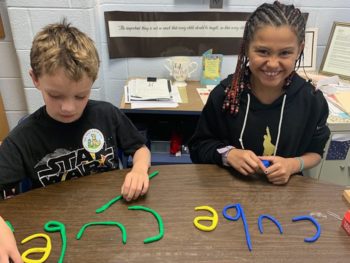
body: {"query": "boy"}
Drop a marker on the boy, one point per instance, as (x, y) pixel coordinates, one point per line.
(71, 136)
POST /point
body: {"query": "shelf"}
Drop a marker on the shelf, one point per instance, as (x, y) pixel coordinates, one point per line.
(167, 158)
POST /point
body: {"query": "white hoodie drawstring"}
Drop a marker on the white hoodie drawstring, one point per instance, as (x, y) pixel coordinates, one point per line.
(244, 122)
(279, 124)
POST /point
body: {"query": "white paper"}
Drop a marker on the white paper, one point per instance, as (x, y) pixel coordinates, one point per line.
(141, 89)
(341, 137)
(153, 104)
(328, 81)
(204, 93)
(176, 97)
(176, 29)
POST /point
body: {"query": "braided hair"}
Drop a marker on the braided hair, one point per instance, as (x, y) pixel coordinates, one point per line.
(277, 15)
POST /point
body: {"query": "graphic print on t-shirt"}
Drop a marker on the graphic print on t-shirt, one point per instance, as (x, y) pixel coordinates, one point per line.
(93, 140)
(269, 148)
(63, 164)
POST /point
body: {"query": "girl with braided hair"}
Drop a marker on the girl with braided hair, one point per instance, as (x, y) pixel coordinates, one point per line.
(265, 112)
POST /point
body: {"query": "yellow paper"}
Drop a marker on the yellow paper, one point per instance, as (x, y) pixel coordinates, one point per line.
(183, 94)
(344, 99)
(211, 68)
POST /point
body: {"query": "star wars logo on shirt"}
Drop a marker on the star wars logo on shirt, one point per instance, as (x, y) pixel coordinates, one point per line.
(63, 164)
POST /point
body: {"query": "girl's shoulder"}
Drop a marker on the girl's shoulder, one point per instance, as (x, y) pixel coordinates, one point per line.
(219, 91)
(305, 88)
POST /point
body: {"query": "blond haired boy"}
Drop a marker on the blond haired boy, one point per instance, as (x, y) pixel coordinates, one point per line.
(71, 136)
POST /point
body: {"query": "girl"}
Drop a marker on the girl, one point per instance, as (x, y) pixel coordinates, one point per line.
(265, 110)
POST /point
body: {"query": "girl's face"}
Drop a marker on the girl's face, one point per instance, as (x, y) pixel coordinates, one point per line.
(272, 54)
(65, 99)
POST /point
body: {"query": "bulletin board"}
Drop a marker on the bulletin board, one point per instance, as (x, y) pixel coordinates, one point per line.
(160, 34)
(2, 31)
(4, 127)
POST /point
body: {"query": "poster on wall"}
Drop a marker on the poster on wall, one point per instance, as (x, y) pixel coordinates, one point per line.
(2, 31)
(336, 59)
(310, 49)
(162, 34)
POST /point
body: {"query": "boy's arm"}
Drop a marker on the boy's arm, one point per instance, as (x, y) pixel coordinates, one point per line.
(12, 170)
(8, 247)
(136, 182)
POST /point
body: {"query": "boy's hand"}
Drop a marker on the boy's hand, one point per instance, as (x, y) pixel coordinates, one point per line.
(8, 248)
(136, 184)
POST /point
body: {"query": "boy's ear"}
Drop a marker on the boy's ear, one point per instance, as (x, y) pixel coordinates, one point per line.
(34, 78)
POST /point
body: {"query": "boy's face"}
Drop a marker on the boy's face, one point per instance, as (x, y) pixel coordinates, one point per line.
(65, 99)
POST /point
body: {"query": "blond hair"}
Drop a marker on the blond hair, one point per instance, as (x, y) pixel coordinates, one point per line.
(61, 45)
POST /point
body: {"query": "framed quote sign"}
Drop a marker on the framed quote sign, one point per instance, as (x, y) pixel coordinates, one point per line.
(161, 34)
(336, 59)
(310, 49)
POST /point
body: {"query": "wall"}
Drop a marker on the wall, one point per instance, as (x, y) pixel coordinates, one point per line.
(27, 17)
(11, 87)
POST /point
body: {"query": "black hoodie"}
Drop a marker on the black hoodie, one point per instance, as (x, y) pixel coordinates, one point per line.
(303, 124)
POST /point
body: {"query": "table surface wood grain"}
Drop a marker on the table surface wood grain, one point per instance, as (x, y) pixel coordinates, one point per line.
(174, 193)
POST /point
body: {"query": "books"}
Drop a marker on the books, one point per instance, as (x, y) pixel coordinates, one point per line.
(338, 96)
(151, 93)
(143, 89)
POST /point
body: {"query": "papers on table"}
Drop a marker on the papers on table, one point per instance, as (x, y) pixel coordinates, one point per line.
(337, 95)
(142, 89)
(204, 92)
(344, 100)
(154, 93)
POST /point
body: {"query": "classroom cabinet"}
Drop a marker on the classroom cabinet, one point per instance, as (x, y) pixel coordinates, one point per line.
(159, 128)
(337, 172)
(160, 125)
(332, 169)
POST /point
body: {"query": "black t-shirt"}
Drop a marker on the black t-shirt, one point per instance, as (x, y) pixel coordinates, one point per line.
(48, 151)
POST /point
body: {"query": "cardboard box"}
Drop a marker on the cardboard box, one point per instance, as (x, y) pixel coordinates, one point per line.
(4, 127)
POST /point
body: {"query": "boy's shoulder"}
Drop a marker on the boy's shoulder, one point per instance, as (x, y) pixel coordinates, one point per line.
(102, 108)
(100, 105)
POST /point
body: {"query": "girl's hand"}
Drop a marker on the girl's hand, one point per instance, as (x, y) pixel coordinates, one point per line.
(280, 169)
(244, 161)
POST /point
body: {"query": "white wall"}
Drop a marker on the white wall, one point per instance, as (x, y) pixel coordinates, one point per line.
(11, 87)
(28, 17)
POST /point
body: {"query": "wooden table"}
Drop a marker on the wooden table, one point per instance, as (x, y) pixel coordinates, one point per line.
(174, 194)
